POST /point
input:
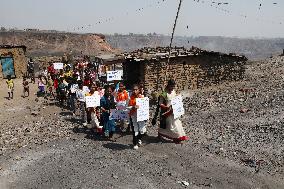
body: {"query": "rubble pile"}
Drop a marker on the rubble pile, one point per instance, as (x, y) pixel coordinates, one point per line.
(39, 124)
(243, 120)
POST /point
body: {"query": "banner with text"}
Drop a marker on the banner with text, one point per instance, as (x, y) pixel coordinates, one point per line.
(114, 75)
(118, 114)
(92, 101)
(58, 66)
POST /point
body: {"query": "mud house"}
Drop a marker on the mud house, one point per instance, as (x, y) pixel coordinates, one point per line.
(13, 61)
(193, 68)
(109, 61)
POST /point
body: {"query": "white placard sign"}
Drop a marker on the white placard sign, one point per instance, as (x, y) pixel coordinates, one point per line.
(114, 75)
(92, 101)
(177, 105)
(143, 110)
(86, 89)
(58, 66)
(118, 114)
(74, 88)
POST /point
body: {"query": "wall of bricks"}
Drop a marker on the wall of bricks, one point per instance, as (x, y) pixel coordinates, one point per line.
(189, 72)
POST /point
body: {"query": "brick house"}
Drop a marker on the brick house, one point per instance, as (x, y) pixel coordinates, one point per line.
(191, 69)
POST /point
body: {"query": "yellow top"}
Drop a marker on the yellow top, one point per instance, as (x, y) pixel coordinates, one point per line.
(10, 83)
(68, 74)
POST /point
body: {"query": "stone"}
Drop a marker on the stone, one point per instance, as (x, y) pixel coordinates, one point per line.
(35, 113)
(244, 110)
(185, 183)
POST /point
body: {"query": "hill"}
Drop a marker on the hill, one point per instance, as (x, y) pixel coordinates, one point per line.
(49, 43)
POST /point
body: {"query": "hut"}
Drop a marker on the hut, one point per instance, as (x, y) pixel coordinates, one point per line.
(13, 61)
(192, 69)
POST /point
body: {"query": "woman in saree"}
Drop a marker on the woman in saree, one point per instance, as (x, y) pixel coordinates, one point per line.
(169, 127)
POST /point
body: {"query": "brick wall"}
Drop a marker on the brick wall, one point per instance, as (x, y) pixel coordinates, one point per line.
(189, 72)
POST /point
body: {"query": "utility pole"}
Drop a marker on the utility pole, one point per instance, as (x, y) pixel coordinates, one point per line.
(172, 37)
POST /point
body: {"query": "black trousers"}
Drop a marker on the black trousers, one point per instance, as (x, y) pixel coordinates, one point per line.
(89, 115)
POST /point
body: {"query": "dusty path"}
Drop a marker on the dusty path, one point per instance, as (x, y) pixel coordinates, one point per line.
(89, 163)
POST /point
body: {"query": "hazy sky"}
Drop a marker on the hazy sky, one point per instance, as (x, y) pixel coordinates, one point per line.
(123, 16)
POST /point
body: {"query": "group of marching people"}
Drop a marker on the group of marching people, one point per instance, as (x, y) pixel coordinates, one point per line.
(72, 87)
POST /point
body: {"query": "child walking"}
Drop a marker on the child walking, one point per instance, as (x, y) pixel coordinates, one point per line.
(26, 87)
(107, 103)
(139, 128)
(50, 87)
(62, 92)
(90, 111)
(10, 85)
(122, 99)
(41, 85)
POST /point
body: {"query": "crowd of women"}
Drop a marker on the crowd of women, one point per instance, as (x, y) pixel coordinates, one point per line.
(71, 86)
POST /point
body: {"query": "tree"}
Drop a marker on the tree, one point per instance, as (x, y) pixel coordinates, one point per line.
(3, 29)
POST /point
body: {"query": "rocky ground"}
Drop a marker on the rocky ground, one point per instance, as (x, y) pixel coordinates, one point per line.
(243, 121)
(235, 129)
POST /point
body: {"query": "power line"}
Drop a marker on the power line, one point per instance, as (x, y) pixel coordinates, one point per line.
(216, 5)
(110, 19)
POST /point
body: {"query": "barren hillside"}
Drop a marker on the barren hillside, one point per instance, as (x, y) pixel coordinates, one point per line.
(41, 44)
(56, 43)
(250, 47)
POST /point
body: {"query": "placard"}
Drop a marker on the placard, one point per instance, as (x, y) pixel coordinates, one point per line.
(143, 111)
(121, 105)
(74, 88)
(177, 105)
(118, 114)
(58, 66)
(86, 89)
(114, 75)
(92, 101)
